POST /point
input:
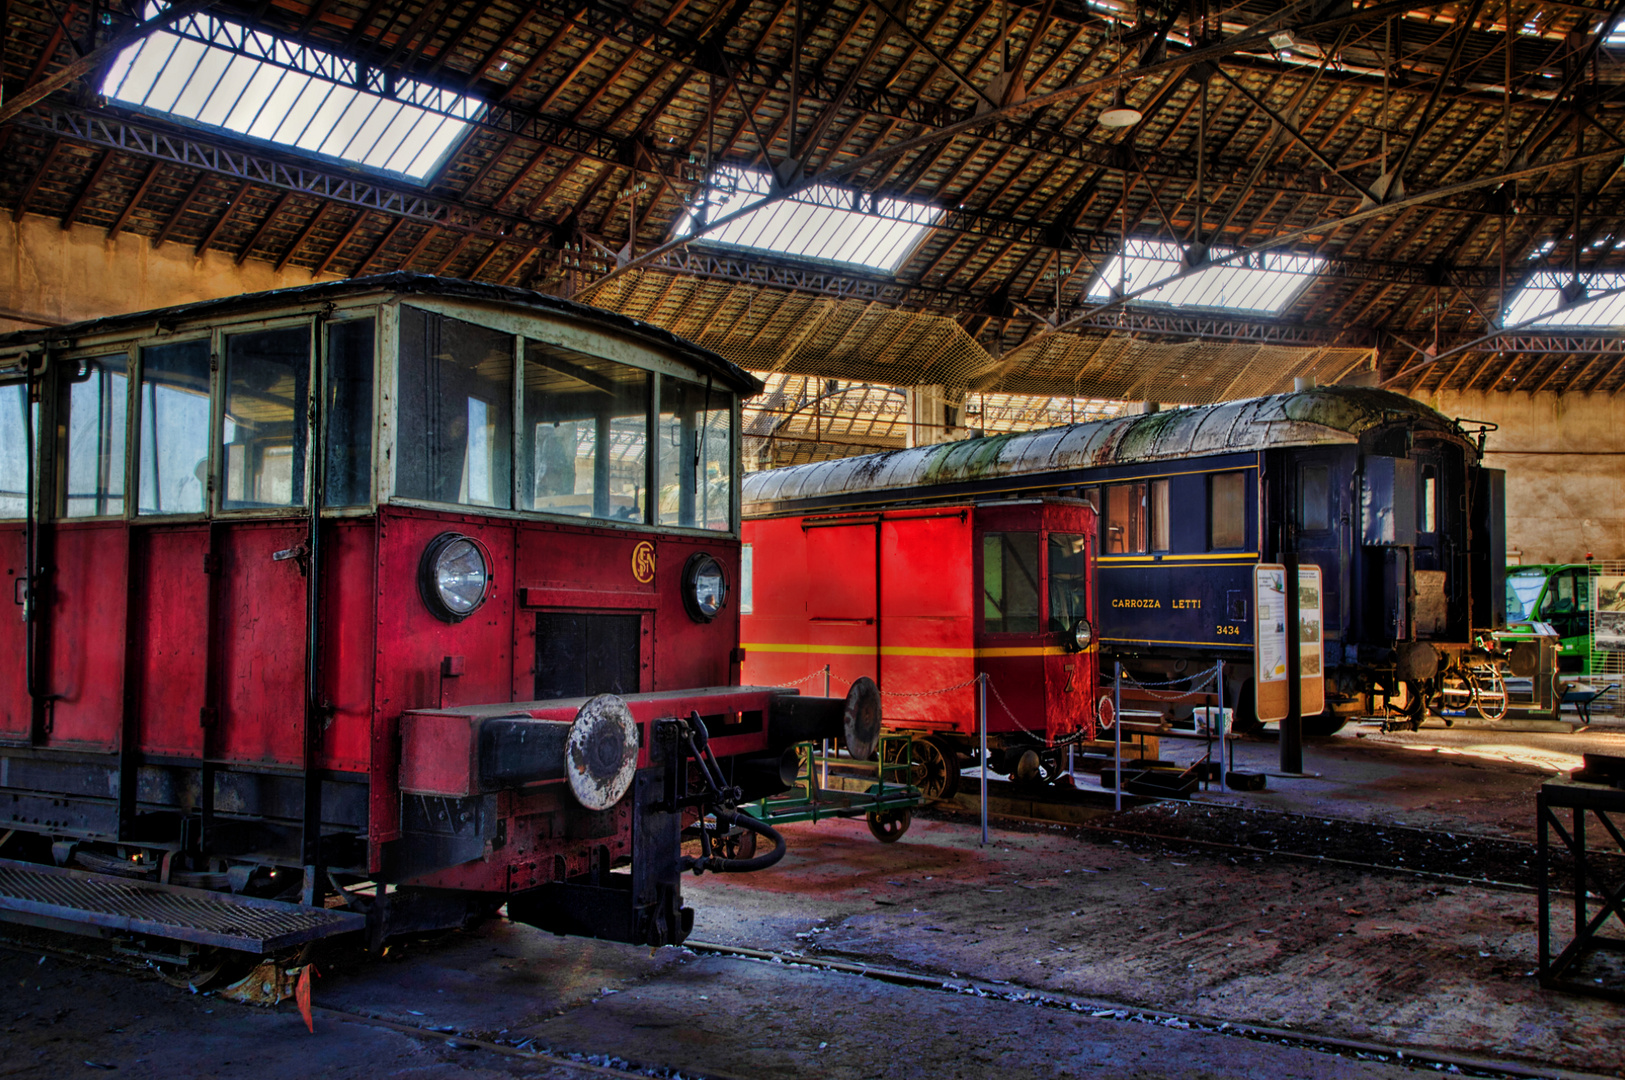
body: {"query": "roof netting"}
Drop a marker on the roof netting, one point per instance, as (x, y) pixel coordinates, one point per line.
(769, 330)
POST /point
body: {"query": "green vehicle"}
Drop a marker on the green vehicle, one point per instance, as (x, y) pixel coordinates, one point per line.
(1559, 595)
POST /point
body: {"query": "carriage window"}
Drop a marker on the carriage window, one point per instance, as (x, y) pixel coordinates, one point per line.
(585, 444)
(1123, 527)
(267, 386)
(1314, 498)
(1091, 495)
(1159, 515)
(1227, 510)
(1010, 583)
(349, 413)
(1430, 501)
(174, 455)
(1068, 580)
(14, 415)
(94, 454)
(696, 454)
(455, 438)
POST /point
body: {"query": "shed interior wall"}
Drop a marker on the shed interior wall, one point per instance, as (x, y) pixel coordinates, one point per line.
(1562, 454)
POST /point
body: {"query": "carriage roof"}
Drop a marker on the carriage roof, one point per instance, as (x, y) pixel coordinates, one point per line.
(1319, 417)
(401, 284)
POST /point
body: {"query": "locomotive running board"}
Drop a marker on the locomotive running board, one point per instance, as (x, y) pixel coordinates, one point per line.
(74, 900)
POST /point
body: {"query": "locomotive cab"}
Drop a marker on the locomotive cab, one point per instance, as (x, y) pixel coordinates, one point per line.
(420, 595)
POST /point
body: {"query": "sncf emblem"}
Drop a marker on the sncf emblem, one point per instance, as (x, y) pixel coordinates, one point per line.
(643, 562)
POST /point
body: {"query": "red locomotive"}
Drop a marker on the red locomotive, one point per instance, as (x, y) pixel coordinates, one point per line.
(399, 597)
(923, 599)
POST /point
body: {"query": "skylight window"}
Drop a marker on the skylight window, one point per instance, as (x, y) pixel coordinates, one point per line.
(1543, 293)
(822, 222)
(1265, 283)
(218, 74)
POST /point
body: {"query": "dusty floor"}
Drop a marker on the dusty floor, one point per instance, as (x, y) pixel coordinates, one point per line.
(1333, 952)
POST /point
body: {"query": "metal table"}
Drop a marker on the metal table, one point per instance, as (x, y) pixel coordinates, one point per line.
(1596, 900)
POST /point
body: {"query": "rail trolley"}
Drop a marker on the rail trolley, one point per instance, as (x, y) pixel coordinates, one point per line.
(1389, 498)
(924, 600)
(374, 604)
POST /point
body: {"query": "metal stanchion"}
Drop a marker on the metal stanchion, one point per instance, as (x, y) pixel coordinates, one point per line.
(823, 781)
(1117, 729)
(1224, 728)
(981, 715)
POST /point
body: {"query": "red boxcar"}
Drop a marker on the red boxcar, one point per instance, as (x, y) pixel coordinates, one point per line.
(521, 504)
(923, 599)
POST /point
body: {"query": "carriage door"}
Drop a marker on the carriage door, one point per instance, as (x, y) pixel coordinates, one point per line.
(1319, 516)
(842, 610)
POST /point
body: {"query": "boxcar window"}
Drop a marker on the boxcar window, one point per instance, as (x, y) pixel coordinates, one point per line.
(1314, 498)
(585, 444)
(1227, 510)
(696, 454)
(348, 412)
(1123, 526)
(94, 454)
(1068, 580)
(455, 436)
(262, 434)
(1010, 583)
(1159, 515)
(14, 414)
(1430, 501)
(174, 456)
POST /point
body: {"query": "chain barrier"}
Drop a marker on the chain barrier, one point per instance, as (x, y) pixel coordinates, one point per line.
(930, 693)
(808, 677)
(1197, 683)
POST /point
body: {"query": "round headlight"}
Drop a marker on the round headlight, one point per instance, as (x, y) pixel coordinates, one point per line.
(453, 577)
(705, 587)
(1082, 635)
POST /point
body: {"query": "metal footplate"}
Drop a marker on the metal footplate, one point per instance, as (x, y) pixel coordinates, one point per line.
(50, 896)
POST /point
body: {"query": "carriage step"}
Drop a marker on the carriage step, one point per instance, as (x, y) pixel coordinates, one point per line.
(66, 899)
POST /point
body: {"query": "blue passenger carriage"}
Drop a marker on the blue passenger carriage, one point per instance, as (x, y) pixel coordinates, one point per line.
(1387, 496)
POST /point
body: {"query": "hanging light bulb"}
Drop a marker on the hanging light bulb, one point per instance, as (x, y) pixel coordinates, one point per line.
(1121, 114)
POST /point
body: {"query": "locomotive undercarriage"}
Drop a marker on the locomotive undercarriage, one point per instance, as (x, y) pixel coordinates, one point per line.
(558, 859)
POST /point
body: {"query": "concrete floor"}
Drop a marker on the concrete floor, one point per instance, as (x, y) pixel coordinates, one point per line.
(1053, 939)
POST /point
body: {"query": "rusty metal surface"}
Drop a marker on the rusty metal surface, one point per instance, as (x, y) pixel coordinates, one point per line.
(602, 753)
(1318, 417)
(207, 918)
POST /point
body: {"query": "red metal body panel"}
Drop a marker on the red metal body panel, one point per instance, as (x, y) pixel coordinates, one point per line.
(169, 640)
(349, 614)
(86, 646)
(814, 602)
(261, 635)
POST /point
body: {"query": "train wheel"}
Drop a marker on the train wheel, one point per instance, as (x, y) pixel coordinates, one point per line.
(1244, 717)
(889, 825)
(1327, 723)
(936, 767)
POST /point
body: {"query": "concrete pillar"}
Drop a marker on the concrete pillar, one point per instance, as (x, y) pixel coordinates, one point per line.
(935, 414)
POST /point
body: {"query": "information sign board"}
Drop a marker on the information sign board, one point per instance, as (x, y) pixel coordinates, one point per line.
(1269, 642)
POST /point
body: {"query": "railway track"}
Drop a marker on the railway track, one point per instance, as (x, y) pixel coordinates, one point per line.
(1417, 1058)
(1457, 857)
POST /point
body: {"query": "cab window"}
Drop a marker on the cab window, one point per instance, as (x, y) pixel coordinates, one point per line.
(1010, 583)
(174, 435)
(585, 446)
(94, 436)
(348, 411)
(267, 388)
(1123, 527)
(456, 411)
(14, 418)
(696, 454)
(1068, 580)
(1427, 520)
(1314, 498)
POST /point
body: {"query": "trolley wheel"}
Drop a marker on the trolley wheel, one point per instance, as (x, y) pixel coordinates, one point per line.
(1493, 685)
(889, 825)
(936, 767)
(1244, 717)
(1327, 723)
(738, 844)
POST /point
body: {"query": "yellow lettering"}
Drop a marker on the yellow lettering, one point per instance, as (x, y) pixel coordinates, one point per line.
(1228, 631)
(1187, 603)
(1136, 603)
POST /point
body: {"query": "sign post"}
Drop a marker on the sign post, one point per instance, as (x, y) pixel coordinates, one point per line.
(1273, 612)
